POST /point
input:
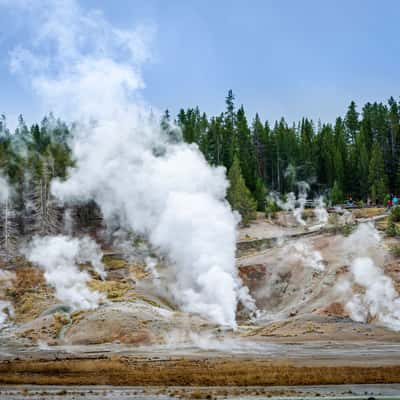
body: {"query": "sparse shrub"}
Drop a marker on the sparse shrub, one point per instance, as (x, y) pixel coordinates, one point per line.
(137, 240)
(271, 208)
(395, 214)
(347, 229)
(391, 229)
(395, 250)
(360, 203)
(114, 263)
(333, 219)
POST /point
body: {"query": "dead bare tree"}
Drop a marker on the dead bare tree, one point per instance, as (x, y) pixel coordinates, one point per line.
(8, 229)
(43, 213)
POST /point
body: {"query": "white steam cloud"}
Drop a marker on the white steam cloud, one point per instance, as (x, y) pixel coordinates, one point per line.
(294, 203)
(320, 211)
(59, 257)
(164, 191)
(369, 294)
(302, 252)
(379, 300)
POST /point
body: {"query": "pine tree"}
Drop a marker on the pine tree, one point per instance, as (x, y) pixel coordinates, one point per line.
(229, 135)
(173, 134)
(394, 135)
(325, 158)
(21, 136)
(376, 176)
(239, 195)
(361, 168)
(336, 194)
(285, 150)
(260, 135)
(245, 150)
(306, 150)
(341, 155)
(201, 140)
(260, 194)
(214, 139)
(338, 168)
(351, 123)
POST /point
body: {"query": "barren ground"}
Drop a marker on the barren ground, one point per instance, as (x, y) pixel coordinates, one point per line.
(303, 336)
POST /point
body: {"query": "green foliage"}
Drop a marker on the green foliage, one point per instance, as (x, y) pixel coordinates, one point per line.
(359, 152)
(25, 151)
(336, 194)
(395, 214)
(239, 195)
(352, 123)
(357, 156)
(391, 229)
(271, 208)
(260, 194)
(376, 177)
(395, 250)
(347, 229)
(361, 166)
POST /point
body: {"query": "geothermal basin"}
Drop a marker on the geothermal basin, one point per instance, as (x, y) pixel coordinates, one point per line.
(305, 334)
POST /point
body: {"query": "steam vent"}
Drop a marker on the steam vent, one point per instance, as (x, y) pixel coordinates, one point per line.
(163, 236)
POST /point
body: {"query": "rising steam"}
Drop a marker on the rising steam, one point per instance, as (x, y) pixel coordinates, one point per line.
(369, 294)
(125, 163)
(59, 257)
(294, 203)
(320, 211)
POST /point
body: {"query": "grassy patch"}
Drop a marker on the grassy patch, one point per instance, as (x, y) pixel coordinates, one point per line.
(111, 262)
(382, 224)
(395, 250)
(368, 212)
(30, 294)
(113, 290)
(346, 229)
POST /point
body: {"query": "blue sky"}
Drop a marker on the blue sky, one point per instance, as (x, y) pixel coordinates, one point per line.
(290, 58)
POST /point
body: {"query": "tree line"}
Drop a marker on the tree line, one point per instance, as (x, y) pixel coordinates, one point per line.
(29, 159)
(356, 156)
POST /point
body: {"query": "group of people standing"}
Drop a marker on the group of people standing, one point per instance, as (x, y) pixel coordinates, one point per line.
(393, 201)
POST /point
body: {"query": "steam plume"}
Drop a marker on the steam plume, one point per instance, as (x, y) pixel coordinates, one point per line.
(295, 204)
(124, 162)
(378, 299)
(59, 257)
(320, 211)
